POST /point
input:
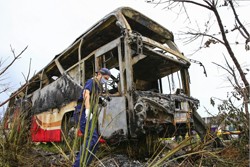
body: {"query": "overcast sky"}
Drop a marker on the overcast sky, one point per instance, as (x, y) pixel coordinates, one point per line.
(48, 27)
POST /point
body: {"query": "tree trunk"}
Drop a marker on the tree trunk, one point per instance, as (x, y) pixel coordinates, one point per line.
(231, 53)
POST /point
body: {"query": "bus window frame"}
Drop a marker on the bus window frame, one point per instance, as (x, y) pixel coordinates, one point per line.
(106, 48)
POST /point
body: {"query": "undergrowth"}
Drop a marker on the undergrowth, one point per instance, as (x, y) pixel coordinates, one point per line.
(16, 149)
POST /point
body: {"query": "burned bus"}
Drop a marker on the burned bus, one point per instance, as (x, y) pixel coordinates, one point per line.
(149, 89)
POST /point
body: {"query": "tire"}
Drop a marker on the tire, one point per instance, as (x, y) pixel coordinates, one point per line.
(67, 127)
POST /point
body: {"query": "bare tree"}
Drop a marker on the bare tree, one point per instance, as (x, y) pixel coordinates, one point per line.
(4, 68)
(222, 38)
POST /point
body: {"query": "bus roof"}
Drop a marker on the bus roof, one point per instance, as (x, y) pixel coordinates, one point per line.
(129, 18)
(131, 15)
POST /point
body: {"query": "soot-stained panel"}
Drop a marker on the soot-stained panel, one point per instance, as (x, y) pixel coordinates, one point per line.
(55, 95)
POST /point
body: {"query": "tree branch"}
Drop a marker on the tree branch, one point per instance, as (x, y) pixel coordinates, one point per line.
(203, 34)
(16, 93)
(28, 75)
(4, 90)
(223, 68)
(229, 49)
(238, 20)
(195, 3)
(15, 58)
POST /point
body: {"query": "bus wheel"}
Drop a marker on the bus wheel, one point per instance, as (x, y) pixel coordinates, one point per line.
(67, 127)
(143, 147)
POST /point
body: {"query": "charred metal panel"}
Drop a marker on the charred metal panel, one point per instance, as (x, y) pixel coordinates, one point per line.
(182, 112)
(173, 52)
(138, 22)
(199, 124)
(112, 120)
(129, 87)
(154, 110)
(75, 74)
(165, 100)
(55, 95)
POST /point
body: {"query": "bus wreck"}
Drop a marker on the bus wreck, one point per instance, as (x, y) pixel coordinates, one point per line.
(149, 89)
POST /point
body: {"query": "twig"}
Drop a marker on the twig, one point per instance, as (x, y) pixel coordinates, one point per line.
(4, 90)
(24, 86)
(15, 58)
(28, 75)
(203, 34)
(238, 20)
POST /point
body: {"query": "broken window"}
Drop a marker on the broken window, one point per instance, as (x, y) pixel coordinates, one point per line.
(33, 86)
(69, 59)
(110, 60)
(50, 75)
(89, 68)
(172, 84)
(153, 72)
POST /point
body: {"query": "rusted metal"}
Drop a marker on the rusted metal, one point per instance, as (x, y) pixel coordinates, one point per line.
(111, 118)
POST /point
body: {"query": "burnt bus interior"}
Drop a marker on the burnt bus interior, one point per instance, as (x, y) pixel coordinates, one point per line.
(151, 77)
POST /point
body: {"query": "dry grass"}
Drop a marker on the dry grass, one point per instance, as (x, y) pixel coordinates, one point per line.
(16, 149)
(186, 153)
